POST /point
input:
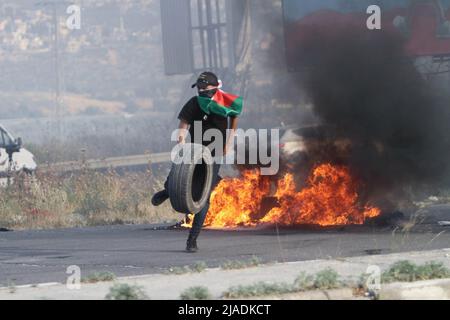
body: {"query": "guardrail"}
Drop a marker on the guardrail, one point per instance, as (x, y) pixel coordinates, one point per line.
(107, 163)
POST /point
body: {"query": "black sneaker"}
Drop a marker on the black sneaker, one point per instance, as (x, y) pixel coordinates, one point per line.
(159, 198)
(191, 246)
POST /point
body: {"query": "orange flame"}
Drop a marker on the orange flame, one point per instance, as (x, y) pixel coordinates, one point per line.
(234, 202)
(330, 198)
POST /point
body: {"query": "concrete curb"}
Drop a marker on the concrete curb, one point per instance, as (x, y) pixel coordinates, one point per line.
(422, 290)
(169, 286)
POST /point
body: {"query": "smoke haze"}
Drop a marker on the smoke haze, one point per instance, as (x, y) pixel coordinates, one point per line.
(368, 93)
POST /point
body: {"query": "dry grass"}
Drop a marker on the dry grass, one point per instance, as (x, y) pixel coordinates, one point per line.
(104, 276)
(126, 292)
(196, 268)
(238, 264)
(407, 271)
(196, 293)
(87, 198)
(327, 279)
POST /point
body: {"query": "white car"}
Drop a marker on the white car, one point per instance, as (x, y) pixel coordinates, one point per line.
(22, 159)
(301, 144)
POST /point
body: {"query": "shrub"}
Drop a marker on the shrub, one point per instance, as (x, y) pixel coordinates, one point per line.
(406, 271)
(125, 292)
(195, 293)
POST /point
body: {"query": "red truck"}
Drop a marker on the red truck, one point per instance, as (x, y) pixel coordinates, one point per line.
(423, 24)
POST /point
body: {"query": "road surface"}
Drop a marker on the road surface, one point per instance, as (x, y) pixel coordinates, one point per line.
(29, 257)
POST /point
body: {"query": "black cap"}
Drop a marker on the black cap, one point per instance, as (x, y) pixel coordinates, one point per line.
(206, 79)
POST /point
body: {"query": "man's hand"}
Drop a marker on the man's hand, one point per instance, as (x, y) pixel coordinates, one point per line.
(182, 132)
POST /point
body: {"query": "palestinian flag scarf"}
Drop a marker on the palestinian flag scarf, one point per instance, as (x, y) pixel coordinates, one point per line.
(222, 104)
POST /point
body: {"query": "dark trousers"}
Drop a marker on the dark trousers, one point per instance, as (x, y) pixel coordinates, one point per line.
(199, 218)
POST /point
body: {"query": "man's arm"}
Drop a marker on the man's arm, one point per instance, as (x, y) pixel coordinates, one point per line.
(186, 118)
(232, 129)
(183, 128)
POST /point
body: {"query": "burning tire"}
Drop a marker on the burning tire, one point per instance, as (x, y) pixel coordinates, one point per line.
(190, 180)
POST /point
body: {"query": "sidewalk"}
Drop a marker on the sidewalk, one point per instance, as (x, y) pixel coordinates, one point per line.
(161, 286)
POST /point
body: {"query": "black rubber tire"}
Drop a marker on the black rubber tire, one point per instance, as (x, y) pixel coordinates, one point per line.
(190, 183)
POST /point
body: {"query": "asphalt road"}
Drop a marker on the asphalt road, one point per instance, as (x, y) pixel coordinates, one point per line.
(28, 257)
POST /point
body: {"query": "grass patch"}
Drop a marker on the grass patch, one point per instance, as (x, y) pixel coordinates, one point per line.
(99, 277)
(401, 271)
(304, 282)
(86, 198)
(178, 270)
(259, 289)
(323, 280)
(238, 264)
(126, 292)
(327, 279)
(406, 271)
(199, 267)
(196, 293)
(196, 268)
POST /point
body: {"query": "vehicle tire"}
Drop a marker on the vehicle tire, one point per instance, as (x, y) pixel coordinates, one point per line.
(190, 181)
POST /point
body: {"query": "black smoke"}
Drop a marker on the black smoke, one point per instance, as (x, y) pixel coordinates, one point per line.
(368, 92)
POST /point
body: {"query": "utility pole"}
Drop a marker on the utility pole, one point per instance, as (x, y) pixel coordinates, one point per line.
(58, 111)
(58, 103)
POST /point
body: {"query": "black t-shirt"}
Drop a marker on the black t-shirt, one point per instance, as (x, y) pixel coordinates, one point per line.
(192, 112)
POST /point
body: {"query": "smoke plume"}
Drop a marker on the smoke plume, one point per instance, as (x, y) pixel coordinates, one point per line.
(393, 126)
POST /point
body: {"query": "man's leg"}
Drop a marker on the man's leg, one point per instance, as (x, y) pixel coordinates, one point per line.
(197, 225)
(160, 197)
(199, 218)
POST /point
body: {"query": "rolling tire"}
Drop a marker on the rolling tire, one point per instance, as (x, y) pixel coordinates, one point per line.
(190, 181)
